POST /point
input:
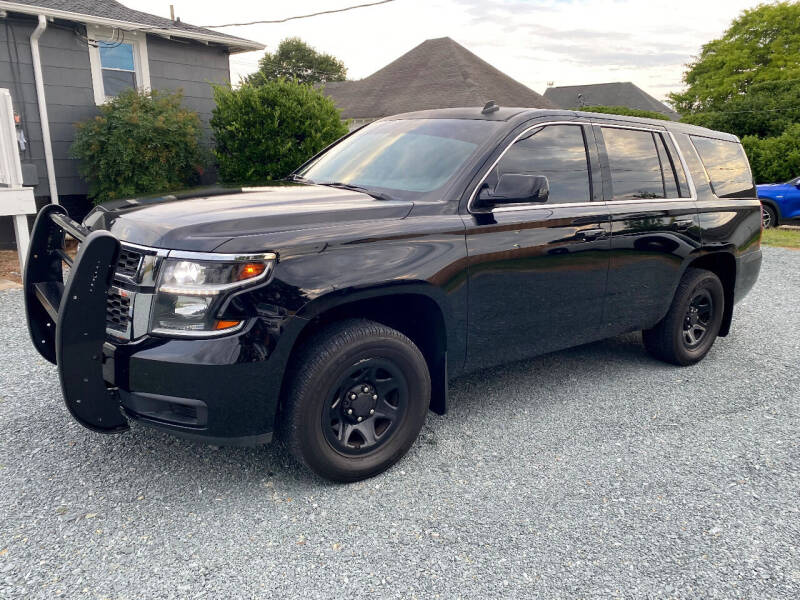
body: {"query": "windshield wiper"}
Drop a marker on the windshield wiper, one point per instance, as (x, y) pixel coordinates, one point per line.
(298, 178)
(357, 188)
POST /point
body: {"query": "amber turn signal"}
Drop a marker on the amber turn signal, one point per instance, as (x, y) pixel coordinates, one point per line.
(250, 270)
(225, 324)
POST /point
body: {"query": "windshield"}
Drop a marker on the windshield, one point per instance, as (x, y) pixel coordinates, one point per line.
(407, 158)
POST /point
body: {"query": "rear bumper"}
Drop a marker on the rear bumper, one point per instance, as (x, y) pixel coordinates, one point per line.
(748, 266)
(222, 390)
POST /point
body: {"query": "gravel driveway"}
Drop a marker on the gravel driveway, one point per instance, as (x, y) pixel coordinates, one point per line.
(591, 472)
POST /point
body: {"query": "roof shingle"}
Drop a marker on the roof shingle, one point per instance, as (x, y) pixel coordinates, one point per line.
(111, 9)
(439, 73)
(623, 93)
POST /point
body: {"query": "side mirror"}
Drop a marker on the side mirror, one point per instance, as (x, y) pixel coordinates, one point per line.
(516, 188)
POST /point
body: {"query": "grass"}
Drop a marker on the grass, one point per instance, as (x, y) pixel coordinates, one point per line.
(786, 238)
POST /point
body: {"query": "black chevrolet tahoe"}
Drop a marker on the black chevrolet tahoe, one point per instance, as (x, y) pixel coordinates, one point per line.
(332, 308)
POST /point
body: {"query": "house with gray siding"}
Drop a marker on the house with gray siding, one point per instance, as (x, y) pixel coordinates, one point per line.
(90, 50)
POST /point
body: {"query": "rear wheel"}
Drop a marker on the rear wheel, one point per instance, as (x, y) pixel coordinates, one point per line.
(686, 334)
(357, 401)
(769, 218)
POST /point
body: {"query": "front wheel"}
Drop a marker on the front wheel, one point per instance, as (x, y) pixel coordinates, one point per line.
(686, 334)
(769, 218)
(358, 398)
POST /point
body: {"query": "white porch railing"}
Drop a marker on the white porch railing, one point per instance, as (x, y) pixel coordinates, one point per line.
(15, 200)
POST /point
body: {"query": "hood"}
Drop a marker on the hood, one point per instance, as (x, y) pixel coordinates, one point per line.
(202, 222)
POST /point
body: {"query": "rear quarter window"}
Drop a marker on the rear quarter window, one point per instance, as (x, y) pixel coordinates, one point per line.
(727, 167)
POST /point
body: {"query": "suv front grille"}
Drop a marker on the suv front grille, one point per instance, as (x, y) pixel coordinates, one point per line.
(118, 311)
(128, 263)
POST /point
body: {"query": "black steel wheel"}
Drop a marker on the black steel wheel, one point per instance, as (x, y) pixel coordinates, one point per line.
(367, 406)
(769, 218)
(358, 398)
(685, 335)
(698, 319)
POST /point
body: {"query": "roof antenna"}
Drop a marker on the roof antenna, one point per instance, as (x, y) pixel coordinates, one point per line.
(489, 108)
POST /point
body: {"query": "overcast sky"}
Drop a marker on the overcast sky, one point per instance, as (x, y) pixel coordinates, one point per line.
(566, 42)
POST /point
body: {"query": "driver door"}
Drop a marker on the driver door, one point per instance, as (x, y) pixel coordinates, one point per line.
(537, 270)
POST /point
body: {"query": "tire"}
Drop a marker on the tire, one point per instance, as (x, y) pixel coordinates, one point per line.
(670, 339)
(769, 217)
(360, 366)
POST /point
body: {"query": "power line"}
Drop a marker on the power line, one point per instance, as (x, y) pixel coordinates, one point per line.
(731, 112)
(316, 14)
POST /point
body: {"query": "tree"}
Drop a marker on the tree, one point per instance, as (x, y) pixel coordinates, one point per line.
(264, 132)
(776, 158)
(763, 44)
(766, 110)
(140, 143)
(295, 59)
(624, 110)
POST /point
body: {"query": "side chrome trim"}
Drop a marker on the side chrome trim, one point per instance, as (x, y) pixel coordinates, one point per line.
(599, 204)
(535, 205)
(502, 154)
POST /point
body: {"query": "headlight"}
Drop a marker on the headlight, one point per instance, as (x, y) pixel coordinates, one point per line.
(190, 292)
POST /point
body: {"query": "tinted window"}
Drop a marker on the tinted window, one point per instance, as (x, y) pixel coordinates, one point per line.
(559, 153)
(635, 166)
(677, 165)
(409, 155)
(667, 168)
(727, 167)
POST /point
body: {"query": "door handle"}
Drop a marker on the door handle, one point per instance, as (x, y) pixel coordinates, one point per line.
(683, 224)
(591, 234)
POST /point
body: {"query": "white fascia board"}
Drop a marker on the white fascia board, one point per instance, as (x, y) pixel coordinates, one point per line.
(234, 45)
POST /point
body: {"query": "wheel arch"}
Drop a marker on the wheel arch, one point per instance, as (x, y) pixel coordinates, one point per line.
(723, 265)
(417, 310)
(773, 205)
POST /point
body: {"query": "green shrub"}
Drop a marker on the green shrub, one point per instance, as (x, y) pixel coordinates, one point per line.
(263, 133)
(140, 143)
(774, 159)
(624, 110)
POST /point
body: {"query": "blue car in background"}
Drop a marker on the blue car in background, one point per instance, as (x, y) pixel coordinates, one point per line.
(780, 202)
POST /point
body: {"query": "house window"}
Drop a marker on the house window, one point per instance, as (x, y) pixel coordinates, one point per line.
(118, 60)
(117, 64)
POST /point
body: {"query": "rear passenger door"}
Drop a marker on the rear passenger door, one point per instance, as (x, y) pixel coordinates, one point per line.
(654, 223)
(537, 271)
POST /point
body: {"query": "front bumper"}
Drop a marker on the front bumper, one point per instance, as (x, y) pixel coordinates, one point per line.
(222, 390)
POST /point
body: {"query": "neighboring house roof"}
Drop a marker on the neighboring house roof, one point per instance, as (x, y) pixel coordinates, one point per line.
(113, 14)
(623, 93)
(439, 73)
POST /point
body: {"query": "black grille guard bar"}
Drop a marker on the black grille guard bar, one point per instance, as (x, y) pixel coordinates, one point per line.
(66, 320)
